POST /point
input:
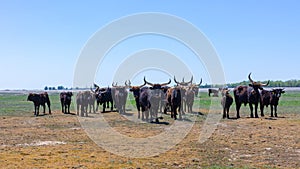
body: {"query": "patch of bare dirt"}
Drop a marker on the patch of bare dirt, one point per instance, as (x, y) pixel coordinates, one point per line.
(58, 141)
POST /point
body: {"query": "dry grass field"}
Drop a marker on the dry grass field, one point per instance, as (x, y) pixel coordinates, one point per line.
(59, 141)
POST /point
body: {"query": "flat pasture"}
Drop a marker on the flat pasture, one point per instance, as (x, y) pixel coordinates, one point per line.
(60, 141)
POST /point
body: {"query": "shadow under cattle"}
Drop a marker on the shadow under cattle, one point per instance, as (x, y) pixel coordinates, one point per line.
(70, 114)
(103, 112)
(270, 118)
(127, 114)
(87, 116)
(232, 118)
(160, 122)
(197, 113)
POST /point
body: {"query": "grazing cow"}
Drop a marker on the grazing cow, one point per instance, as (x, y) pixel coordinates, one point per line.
(136, 90)
(65, 101)
(104, 97)
(39, 100)
(248, 94)
(82, 102)
(226, 102)
(119, 94)
(151, 97)
(270, 98)
(215, 92)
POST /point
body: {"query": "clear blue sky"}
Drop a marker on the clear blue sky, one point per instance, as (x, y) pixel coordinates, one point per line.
(41, 40)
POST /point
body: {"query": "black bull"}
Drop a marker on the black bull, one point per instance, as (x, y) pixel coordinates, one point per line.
(270, 98)
(65, 101)
(39, 100)
(150, 99)
(248, 94)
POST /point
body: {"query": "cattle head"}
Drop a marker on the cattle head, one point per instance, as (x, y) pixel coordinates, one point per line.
(120, 89)
(256, 85)
(225, 91)
(30, 96)
(135, 89)
(277, 92)
(156, 85)
(183, 83)
(195, 87)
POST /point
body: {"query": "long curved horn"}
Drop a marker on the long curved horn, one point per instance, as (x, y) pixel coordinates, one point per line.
(142, 85)
(95, 85)
(164, 84)
(147, 82)
(200, 83)
(265, 84)
(176, 80)
(113, 84)
(191, 81)
(249, 77)
(126, 83)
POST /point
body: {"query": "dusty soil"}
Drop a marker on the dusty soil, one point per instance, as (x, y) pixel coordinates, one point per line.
(58, 141)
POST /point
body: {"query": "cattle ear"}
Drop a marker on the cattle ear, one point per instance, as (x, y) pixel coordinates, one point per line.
(151, 88)
(251, 85)
(283, 91)
(130, 90)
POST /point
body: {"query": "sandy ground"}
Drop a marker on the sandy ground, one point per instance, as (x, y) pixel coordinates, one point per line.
(59, 141)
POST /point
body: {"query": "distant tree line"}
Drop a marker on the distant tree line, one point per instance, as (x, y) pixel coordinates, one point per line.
(277, 83)
(53, 88)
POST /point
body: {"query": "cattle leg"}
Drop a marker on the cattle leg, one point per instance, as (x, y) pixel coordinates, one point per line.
(37, 110)
(77, 109)
(251, 110)
(81, 110)
(238, 106)
(139, 114)
(227, 114)
(275, 110)
(256, 106)
(224, 113)
(111, 106)
(272, 111)
(103, 107)
(262, 110)
(44, 111)
(68, 108)
(97, 105)
(62, 106)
